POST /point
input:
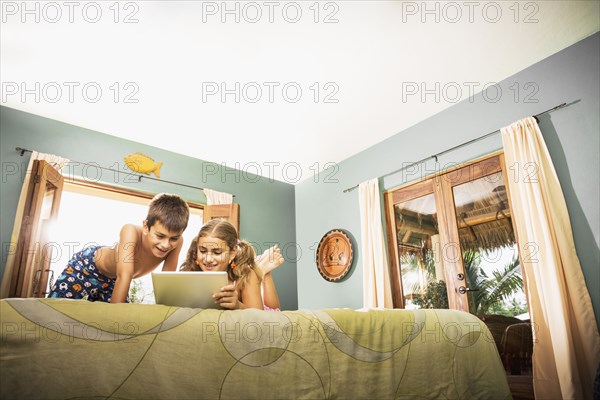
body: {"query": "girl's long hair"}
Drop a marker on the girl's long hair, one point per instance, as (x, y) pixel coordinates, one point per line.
(244, 255)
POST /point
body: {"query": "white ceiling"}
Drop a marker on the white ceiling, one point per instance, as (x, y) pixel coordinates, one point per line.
(171, 53)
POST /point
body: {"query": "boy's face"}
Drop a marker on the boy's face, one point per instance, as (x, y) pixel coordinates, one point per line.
(213, 254)
(159, 240)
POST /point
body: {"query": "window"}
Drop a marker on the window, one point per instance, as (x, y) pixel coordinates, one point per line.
(93, 215)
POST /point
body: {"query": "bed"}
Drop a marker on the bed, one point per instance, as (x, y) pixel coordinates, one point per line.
(69, 349)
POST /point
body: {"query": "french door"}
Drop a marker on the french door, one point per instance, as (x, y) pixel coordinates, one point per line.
(452, 242)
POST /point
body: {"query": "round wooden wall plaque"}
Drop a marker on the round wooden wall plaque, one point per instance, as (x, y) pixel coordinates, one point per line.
(334, 255)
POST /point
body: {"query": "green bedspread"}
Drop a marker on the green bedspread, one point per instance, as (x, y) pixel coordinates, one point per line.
(70, 349)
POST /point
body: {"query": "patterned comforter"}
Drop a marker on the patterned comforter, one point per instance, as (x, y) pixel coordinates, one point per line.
(71, 349)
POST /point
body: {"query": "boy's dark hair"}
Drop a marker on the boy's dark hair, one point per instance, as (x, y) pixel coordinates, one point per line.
(170, 210)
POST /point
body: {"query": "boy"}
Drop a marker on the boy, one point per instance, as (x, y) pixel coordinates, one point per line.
(105, 273)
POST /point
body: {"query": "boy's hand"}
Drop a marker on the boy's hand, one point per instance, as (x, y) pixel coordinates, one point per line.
(228, 297)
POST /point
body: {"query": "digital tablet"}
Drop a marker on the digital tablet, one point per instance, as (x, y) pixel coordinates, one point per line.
(188, 289)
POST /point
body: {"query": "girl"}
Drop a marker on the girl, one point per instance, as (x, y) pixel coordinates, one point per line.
(217, 247)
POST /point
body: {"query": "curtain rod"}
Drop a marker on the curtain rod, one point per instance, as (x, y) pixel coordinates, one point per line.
(435, 156)
(23, 151)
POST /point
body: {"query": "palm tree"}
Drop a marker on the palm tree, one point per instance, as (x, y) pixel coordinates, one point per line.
(431, 293)
(489, 291)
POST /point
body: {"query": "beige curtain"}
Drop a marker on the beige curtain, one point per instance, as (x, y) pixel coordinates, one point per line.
(213, 197)
(376, 281)
(567, 345)
(57, 162)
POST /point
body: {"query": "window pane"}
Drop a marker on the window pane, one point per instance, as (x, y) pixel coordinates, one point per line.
(490, 253)
(423, 282)
(492, 269)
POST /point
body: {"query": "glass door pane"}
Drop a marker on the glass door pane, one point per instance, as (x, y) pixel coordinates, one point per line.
(488, 245)
(423, 282)
(493, 275)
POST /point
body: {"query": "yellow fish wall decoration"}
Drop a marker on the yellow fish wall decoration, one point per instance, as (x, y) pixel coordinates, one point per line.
(139, 162)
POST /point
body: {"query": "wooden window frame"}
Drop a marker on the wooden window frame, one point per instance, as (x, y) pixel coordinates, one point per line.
(122, 190)
(25, 278)
(229, 212)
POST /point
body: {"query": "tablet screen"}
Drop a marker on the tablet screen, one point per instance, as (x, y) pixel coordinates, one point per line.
(187, 288)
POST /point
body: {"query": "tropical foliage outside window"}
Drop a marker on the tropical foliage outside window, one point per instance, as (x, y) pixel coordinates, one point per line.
(456, 227)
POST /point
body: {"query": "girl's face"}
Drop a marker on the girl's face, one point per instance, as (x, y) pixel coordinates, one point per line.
(213, 254)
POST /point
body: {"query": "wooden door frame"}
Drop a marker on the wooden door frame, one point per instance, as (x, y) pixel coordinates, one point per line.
(440, 184)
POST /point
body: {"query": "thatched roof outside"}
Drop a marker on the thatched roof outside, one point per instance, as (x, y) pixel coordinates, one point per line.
(484, 224)
(486, 227)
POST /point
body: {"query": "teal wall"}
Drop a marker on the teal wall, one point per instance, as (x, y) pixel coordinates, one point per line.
(298, 217)
(267, 208)
(572, 135)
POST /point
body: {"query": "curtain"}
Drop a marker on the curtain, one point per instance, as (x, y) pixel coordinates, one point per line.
(56, 162)
(376, 281)
(213, 197)
(566, 342)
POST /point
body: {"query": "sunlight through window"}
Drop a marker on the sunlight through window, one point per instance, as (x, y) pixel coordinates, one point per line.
(89, 217)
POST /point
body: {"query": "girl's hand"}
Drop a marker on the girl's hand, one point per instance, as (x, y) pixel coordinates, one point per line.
(228, 298)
